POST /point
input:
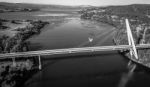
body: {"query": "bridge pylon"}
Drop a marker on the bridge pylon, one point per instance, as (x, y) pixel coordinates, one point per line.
(133, 50)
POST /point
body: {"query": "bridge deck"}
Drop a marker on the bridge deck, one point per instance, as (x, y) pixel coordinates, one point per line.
(71, 50)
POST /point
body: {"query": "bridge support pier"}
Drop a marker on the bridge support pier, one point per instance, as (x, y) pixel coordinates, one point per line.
(13, 62)
(40, 65)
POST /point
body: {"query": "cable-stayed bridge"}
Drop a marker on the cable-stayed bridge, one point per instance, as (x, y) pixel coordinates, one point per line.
(131, 47)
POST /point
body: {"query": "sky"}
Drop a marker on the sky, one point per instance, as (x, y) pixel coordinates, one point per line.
(82, 2)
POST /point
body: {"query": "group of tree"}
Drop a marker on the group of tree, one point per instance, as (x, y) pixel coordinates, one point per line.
(18, 42)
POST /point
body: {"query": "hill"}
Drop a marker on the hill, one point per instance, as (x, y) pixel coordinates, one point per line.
(14, 6)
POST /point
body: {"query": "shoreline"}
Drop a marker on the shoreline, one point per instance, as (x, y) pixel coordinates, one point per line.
(13, 70)
(22, 34)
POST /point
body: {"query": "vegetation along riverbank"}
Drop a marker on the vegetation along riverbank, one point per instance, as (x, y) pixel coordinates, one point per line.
(14, 74)
(24, 30)
(139, 18)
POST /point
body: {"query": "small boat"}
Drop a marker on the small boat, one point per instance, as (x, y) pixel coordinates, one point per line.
(90, 39)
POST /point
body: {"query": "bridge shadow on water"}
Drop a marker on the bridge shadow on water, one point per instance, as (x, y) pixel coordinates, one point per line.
(56, 58)
(79, 55)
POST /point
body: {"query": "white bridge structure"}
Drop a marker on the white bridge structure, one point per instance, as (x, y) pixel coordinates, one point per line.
(133, 50)
(131, 47)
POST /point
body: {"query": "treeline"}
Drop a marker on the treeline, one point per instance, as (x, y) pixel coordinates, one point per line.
(111, 14)
(18, 10)
(14, 7)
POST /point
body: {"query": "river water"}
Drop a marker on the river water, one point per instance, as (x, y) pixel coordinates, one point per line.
(103, 69)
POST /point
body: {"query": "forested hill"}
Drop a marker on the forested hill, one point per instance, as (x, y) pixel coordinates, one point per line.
(130, 9)
(134, 8)
(139, 12)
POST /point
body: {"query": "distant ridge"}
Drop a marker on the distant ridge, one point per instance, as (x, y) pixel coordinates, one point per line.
(7, 5)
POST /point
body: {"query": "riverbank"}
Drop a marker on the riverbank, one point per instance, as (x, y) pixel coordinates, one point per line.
(22, 31)
(14, 75)
(116, 15)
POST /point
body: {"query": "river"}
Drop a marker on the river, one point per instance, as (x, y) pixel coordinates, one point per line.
(105, 69)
